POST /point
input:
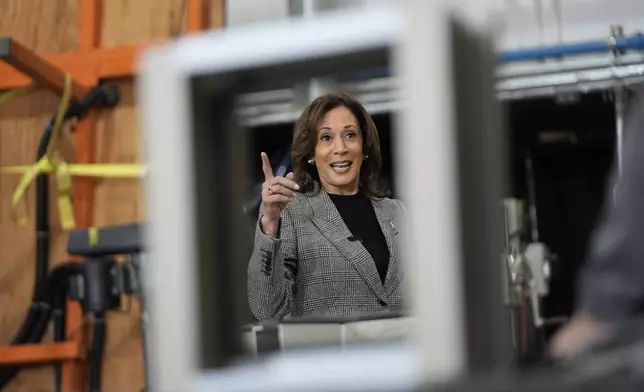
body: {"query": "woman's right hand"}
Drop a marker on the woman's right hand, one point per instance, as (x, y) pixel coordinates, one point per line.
(580, 333)
(276, 193)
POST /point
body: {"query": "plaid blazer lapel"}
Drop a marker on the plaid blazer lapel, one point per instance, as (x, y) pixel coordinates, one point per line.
(395, 272)
(328, 220)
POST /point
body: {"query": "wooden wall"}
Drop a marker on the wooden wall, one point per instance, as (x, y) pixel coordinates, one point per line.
(52, 26)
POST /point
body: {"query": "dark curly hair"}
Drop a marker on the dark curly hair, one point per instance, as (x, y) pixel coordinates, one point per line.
(305, 139)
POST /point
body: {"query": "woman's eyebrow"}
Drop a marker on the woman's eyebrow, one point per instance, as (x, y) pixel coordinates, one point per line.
(325, 128)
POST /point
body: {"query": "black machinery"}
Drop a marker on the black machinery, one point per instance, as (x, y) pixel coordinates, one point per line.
(98, 283)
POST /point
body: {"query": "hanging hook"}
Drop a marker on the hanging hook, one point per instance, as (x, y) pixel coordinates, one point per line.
(618, 97)
(618, 102)
(532, 198)
(619, 125)
(617, 31)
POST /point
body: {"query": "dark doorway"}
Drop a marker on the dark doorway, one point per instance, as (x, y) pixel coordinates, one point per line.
(572, 148)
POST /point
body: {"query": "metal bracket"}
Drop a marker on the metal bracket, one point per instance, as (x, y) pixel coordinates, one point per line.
(37, 68)
(106, 241)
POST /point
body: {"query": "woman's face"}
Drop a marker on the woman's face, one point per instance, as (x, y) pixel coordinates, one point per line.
(338, 152)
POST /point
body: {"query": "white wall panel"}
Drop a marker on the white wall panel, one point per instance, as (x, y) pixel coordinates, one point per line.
(521, 23)
(239, 12)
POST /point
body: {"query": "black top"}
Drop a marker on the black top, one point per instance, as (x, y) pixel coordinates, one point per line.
(360, 218)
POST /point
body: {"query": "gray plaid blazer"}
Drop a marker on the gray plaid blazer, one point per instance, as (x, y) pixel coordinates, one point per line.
(313, 268)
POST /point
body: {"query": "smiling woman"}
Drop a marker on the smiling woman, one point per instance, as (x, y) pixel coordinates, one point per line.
(328, 240)
(336, 143)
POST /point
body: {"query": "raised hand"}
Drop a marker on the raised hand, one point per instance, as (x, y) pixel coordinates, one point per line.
(277, 191)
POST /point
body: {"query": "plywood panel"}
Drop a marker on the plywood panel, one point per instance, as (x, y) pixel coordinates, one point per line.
(45, 26)
(51, 26)
(118, 202)
(132, 22)
(128, 22)
(217, 14)
(21, 124)
(117, 140)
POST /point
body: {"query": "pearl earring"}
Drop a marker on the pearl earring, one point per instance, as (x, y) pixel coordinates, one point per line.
(365, 157)
(311, 162)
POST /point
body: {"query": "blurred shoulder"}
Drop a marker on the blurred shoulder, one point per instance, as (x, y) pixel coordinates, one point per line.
(394, 206)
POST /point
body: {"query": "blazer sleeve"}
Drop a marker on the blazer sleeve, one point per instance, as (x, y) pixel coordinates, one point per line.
(612, 282)
(272, 269)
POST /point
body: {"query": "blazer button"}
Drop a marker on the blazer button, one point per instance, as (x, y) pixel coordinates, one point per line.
(382, 303)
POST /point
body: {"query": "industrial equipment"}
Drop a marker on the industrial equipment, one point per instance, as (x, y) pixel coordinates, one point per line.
(100, 282)
(39, 314)
(527, 266)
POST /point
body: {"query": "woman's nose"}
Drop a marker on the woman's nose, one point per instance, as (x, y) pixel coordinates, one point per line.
(340, 146)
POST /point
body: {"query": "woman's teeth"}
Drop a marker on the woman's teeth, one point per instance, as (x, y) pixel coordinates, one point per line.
(341, 167)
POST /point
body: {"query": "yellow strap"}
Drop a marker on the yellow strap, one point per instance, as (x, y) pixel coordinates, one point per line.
(63, 171)
(92, 233)
(65, 208)
(28, 177)
(95, 170)
(16, 93)
(46, 164)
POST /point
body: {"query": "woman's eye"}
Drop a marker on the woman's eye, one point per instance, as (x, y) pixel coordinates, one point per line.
(325, 138)
(350, 135)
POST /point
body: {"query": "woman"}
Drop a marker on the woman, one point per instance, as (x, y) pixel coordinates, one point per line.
(328, 240)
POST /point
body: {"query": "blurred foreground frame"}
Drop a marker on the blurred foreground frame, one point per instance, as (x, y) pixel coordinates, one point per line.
(220, 157)
(449, 141)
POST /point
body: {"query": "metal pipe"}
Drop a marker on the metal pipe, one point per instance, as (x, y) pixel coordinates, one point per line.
(516, 70)
(582, 81)
(635, 42)
(619, 126)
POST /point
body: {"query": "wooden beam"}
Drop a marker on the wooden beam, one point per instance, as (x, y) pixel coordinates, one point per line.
(109, 63)
(197, 14)
(37, 68)
(91, 15)
(40, 353)
(83, 189)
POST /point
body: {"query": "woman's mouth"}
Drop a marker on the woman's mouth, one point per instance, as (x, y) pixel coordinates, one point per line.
(341, 167)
